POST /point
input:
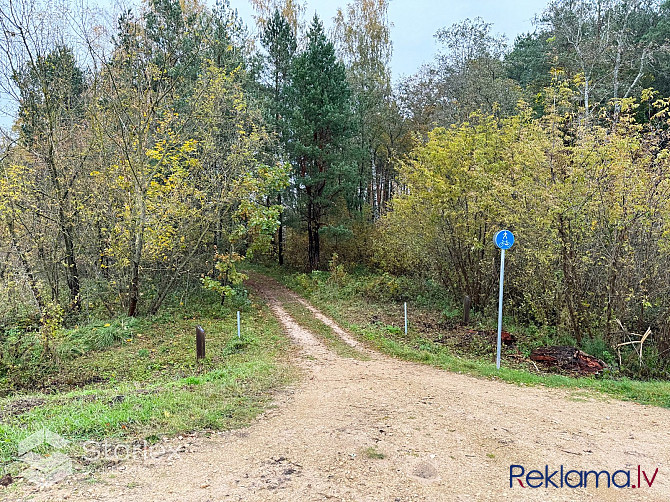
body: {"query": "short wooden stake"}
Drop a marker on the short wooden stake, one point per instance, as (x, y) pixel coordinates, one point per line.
(199, 343)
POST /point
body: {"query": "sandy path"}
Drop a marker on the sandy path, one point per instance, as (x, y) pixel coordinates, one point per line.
(444, 436)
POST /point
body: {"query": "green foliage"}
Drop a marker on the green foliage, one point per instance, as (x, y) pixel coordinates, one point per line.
(51, 88)
(97, 336)
(529, 64)
(338, 275)
(228, 278)
(362, 34)
(351, 312)
(280, 42)
(578, 201)
(599, 348)
(444, 223)
(320, 125)
(612, 49)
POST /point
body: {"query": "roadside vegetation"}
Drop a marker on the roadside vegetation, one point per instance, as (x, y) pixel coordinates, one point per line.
(137, 379)
(153, 153)
(306, 319)
(370, 306)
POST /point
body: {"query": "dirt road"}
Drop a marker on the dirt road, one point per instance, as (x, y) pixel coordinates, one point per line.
(387, 430)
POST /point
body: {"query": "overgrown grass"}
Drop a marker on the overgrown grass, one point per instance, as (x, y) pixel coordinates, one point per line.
(359, 314)
(147, 383)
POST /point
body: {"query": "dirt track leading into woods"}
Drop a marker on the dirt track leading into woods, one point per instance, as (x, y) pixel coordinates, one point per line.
(443, 436)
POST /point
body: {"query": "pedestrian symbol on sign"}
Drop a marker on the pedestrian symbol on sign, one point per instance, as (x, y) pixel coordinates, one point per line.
(504, 239)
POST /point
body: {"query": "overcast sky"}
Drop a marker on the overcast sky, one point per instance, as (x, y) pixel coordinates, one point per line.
(414, 24)
(416, 21)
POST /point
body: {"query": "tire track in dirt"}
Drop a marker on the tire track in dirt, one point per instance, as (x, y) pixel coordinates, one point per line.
(388, 430)
(302, 337)
(275, 294)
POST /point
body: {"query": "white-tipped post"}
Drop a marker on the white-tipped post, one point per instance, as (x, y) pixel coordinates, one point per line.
(239, 331)
(405, 318)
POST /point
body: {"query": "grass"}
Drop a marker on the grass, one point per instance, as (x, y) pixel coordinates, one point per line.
(306, 319)
(656, 393)
(360, 316)
(146, 382)
(373, 453)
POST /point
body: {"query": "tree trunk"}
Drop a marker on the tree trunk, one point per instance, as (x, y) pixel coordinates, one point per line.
(133, 296)
(570, 280)
(66, 228)
(32, 281)
(313, 237)
(134, 291)
(375, 187)
(71, 272)
(315, 253)
(280, 234)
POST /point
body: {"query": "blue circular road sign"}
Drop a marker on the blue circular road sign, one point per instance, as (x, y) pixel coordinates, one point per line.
(504, 239)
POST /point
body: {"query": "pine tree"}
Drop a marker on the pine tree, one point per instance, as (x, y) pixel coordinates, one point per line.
(320, 128)
(280, 43)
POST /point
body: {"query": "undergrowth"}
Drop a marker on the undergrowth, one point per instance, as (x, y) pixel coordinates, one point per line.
(130, 379)
(371, 307)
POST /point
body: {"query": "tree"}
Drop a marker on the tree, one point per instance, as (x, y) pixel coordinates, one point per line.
(588, 201)
(456, 182)
(529, 63)
(612, 48)
(290, 10)
(187, 146)
(467, 76)
(278, 39)
(320, 129)
(149, 84)
(132, 173)
(363, 41)
(42, 74)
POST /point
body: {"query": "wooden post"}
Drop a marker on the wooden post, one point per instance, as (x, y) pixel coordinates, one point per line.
(467, 303)
(199, 343)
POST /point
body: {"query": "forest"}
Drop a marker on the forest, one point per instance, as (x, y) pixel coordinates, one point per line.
(167, 148)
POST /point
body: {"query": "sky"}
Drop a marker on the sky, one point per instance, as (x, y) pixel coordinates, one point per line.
(414, 23)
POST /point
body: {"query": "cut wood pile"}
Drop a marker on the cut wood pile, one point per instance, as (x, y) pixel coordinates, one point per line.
(569, 359)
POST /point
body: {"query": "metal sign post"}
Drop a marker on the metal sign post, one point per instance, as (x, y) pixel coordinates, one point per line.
(405, 318)
(503, 240)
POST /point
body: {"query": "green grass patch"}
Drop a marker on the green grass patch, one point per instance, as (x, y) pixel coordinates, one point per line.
(306, 319)
(378, 320)
(374, 453)
(146, 383)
